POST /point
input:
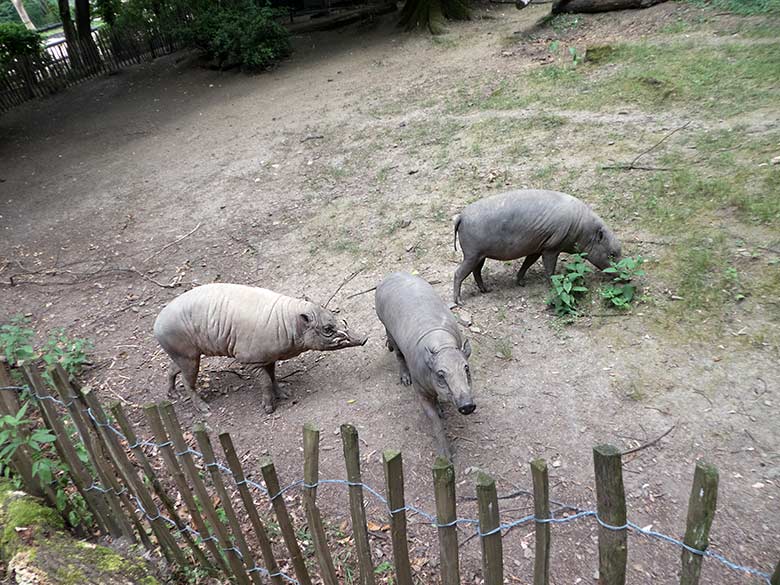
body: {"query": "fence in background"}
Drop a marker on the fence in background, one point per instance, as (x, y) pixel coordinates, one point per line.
(108, 51)
(128, 498)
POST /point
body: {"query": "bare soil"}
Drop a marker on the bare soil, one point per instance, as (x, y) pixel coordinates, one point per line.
(297, 178)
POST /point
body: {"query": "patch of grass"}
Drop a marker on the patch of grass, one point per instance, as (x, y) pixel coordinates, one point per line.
(676, 27)
(563, 23)
(718, 80)
(504, 348)
(743, 7)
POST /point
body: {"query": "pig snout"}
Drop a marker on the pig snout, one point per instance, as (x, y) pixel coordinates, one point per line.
(467, 408)
(354, 340)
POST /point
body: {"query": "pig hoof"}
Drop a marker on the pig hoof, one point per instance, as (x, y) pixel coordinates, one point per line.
(406, 379)
(269, 408)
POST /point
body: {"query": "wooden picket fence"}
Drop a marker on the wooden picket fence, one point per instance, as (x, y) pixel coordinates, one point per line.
(110, 50)
(129, 499)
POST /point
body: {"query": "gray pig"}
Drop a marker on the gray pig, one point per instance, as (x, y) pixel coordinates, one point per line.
(532, 224)
(255, 326)
(427, 342)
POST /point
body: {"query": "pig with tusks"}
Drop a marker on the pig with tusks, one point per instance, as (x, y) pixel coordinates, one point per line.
(426, 339)
(529, 224)
(256, 326)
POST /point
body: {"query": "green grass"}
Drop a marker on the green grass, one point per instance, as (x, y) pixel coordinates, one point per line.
(715, 80)
(742, 7)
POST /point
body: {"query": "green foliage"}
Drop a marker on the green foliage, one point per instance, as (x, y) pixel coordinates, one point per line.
(16, 41)
(16, 340)
(70, 353)
(622, 290)
(40, 12)
(240, 33)
(385, 568)
(568, 287)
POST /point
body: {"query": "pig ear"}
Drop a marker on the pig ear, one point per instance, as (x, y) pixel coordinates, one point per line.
(302, 322)
(467, 349)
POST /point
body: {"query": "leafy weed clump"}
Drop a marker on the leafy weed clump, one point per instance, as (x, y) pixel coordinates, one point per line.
(622, 290)
(568, 287)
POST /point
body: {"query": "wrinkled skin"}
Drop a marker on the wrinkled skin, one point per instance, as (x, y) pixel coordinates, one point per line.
(256, 326)
(530, 224)
(426, 339)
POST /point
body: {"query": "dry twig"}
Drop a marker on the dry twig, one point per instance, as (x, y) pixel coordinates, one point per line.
(345, 281)
(649, 443)
(632, 166)
(166, 246)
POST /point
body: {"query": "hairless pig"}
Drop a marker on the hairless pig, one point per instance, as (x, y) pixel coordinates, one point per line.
(427, 342)
(531, 224)
(255, 326)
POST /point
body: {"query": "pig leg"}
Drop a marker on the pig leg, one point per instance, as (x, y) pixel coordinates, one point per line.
(478, 277)
(549, 259)
(266, 386)
(527, 263)
(466, 267)
(406, 377)
(432, 411)
(278, 392)
(188, 366)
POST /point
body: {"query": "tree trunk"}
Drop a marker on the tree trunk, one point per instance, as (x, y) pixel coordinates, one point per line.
(22, 12)
(90, 58)
(432, 14)
(71, 40)
(560, 6)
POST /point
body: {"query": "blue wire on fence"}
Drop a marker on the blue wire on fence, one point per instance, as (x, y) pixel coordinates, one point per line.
(408, 508)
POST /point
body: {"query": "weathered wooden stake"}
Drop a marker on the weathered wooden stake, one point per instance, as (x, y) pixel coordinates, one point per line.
(151, 476)
(122, 462)
(351, 444)
(283, 517)
(249, 505)
(542, 512)
(611, 498)
(776, 575)
(116, 494)
(210, 461)
(67, 453)
(701, 511)
(311, 465)
(394, 484)
(172, 463)
(489, 521)
(204, 500)
(444, 490)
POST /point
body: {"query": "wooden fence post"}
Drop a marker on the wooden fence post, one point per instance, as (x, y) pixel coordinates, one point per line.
(351, 444)
(67, 453)
(776, 575)
(167, 543)
(283, 517)
(444, 491)
(21, 459)
(541, 512)
(176, 435)
(210, 461)
(115, 492)
(311, 465)
(611, 508)
(151, 476)
(172, 463)
(701, 511)
(249, 505)
(394, 483)
(489, 521)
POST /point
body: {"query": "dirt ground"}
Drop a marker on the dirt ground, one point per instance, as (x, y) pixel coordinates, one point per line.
(354, 155)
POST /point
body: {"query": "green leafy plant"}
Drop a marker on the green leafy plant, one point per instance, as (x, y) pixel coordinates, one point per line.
(385, 568)
(568, 287)
(15, 42)
(16, 340)
(71, 353)
(621, 291)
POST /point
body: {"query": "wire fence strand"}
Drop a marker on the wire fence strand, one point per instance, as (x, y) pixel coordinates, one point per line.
(431, 519)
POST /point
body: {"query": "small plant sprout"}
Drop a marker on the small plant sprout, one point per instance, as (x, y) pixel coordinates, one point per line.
(567, 287)
(621, 291)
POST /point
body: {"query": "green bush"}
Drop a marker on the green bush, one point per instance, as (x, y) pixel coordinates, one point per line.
(239, 34)
(16, 41)
(566, 288)
(41, 13)
(622, 290)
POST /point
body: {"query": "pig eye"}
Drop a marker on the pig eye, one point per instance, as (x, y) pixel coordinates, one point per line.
(440, 375)
(466, 367)
(328, 330)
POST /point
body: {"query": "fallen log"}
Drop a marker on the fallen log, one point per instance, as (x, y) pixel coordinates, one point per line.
(561, 6)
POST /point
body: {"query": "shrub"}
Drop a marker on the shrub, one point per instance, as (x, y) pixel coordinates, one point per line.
(239, 34)
(621, 291)
(16, 41)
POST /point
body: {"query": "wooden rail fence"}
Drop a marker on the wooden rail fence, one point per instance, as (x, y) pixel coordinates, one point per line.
(110, 50)
(129, 498)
